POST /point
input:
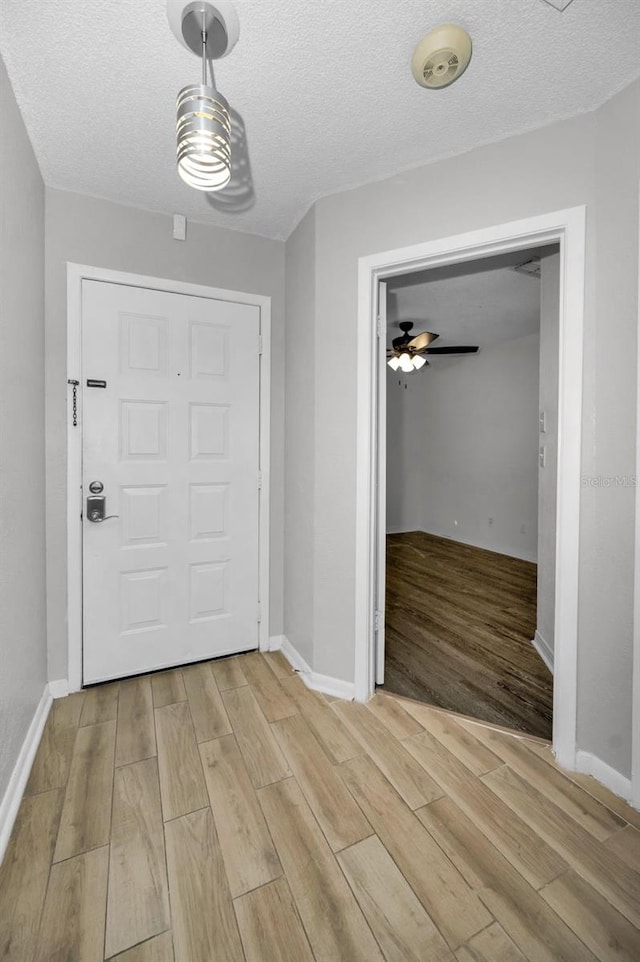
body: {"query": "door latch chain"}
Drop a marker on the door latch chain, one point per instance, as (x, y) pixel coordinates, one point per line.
(74, 400)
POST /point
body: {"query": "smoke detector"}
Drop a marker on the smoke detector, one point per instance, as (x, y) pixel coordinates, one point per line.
(442, 56)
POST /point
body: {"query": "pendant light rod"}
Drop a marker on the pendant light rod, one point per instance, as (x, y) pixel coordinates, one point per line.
(204, 48)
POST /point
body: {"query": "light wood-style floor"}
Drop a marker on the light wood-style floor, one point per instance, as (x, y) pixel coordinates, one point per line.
(459, 624)
(225, 813)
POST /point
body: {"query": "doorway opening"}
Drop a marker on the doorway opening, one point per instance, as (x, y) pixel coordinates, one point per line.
(565, 228)
(471, 431)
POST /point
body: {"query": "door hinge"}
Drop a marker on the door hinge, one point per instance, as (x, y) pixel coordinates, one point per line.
(380, 326)
(259, 613)
(378, 621)
(259, 480)
(259, 343)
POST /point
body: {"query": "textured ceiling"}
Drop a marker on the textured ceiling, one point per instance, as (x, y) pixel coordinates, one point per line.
(323, 86)
(481, 303)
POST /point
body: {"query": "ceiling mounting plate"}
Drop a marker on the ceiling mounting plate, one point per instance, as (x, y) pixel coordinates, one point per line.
(221, 23)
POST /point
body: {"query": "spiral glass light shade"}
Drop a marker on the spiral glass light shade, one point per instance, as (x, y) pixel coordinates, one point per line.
(204, 137)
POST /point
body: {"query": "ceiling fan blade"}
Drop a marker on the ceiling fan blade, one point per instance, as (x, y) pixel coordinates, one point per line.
(460, 349)
(420, 341)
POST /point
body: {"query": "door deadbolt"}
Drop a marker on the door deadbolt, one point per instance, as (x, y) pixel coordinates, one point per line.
(96, 487)
(96, 507)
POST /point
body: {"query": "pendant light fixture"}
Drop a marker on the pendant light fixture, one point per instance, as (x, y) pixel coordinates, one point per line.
(203, 124)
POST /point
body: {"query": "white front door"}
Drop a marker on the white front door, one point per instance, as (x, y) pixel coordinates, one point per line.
(173, 438)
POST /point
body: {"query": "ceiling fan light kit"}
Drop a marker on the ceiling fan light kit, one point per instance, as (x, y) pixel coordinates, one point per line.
(441, 56)
(203, 125)
(407, 363)
(407, 353)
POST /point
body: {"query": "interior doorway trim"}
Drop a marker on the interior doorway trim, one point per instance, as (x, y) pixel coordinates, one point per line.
(76, 274)
(563, 227)
(635, 679)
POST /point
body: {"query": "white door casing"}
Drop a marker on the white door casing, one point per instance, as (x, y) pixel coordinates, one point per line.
(567, 228)
(381, 482)
(172, 579)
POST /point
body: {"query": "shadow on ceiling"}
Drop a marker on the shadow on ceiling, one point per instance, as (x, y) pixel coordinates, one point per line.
(239, 195)
(464, 268)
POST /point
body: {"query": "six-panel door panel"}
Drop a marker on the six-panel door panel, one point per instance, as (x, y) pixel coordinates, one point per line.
(174, 438)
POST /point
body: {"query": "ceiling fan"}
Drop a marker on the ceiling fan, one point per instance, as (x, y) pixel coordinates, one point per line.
(408, 353)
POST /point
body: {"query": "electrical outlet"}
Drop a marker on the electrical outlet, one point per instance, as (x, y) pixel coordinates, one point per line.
(490, 522)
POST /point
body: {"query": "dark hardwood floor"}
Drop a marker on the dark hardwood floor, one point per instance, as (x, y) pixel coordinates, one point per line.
(459, 624)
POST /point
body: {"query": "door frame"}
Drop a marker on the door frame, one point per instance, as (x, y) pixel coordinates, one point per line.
(635, 676)
(568, 229)
(76, 274)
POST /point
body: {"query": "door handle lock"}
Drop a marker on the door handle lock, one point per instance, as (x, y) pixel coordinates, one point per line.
(96, 507)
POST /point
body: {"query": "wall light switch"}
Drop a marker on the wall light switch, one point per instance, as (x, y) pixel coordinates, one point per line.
(179, 227)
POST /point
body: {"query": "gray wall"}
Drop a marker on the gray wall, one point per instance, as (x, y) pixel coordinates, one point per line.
(299, 427)
(608, 506)
(591, 160)
(484, 187)
(98, 233)
(548, 476)
(469, 434)
(23, 655)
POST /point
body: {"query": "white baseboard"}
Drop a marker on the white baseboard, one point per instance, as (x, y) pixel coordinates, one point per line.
(510, 551)
(313, 679)
(275, 642)
(59, 688)
(20, 774)
(590, 764)
(544, 650)
(331, 686)
(294, 657)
